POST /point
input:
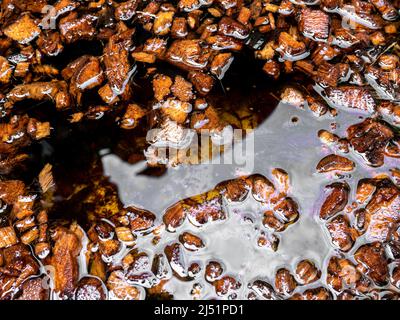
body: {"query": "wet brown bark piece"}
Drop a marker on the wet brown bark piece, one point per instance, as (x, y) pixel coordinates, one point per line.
(120, 288)
(191, 241)
(372, 262)
(263, 289)
(85, 73)
(351, 97)
(319, 293)
(220, 64)
(161, 86)
(307, 272)
(118, 68)
(187, 54)
(386, 8)
(369, 138)
(365, 189)
(56, 91)
(163, 22)
(90, 288)
(138, 219)
(182, 89)
(6, 70)
(314, 24)
(382, 215)
(329, 75)
(133, 114)
(65, 262)
(126, 10)
(204, 208)
(290, 46)
(74, 28)
(262, 188)
(18, 266)
(90, 76)
(174, 216)
(232, 28)
(8, 237)
(213, 271)
(285, 283)
(175, 110)
(33, 289)
(226, 286)
(179, 28)
(177, 260)
(293, 97)
(342, 235)
(336, 199)
(343, 273)
(11, 190)
(287, 210)
(202, 82)
(334, 162)
(234, 190)
(24, 30)
(272, 69)
(35, 6)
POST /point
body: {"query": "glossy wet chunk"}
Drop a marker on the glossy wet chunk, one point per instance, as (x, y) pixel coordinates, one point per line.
(369, 139)
(18, 265)
(284, 282)
(90, 289)
(341, 233)
(336, 199)
(307, 272)
(372, 262)
(64, 260)
(335, 163)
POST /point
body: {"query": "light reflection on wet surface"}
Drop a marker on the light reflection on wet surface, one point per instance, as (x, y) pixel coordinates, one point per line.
(279, 142)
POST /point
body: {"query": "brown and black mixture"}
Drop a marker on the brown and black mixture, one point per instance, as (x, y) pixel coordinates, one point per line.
(80, 75)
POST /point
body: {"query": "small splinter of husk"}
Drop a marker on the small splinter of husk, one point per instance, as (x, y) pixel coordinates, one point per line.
(46, 178)
(7, 237)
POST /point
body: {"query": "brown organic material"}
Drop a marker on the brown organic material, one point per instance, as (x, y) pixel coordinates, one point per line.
(369, 138)
(372, 262)
(90, 88)
(335, 163)
(65, 263)
(336, 199)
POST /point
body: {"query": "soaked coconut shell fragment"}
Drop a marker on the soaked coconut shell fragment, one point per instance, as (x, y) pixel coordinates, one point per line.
(335, 163)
